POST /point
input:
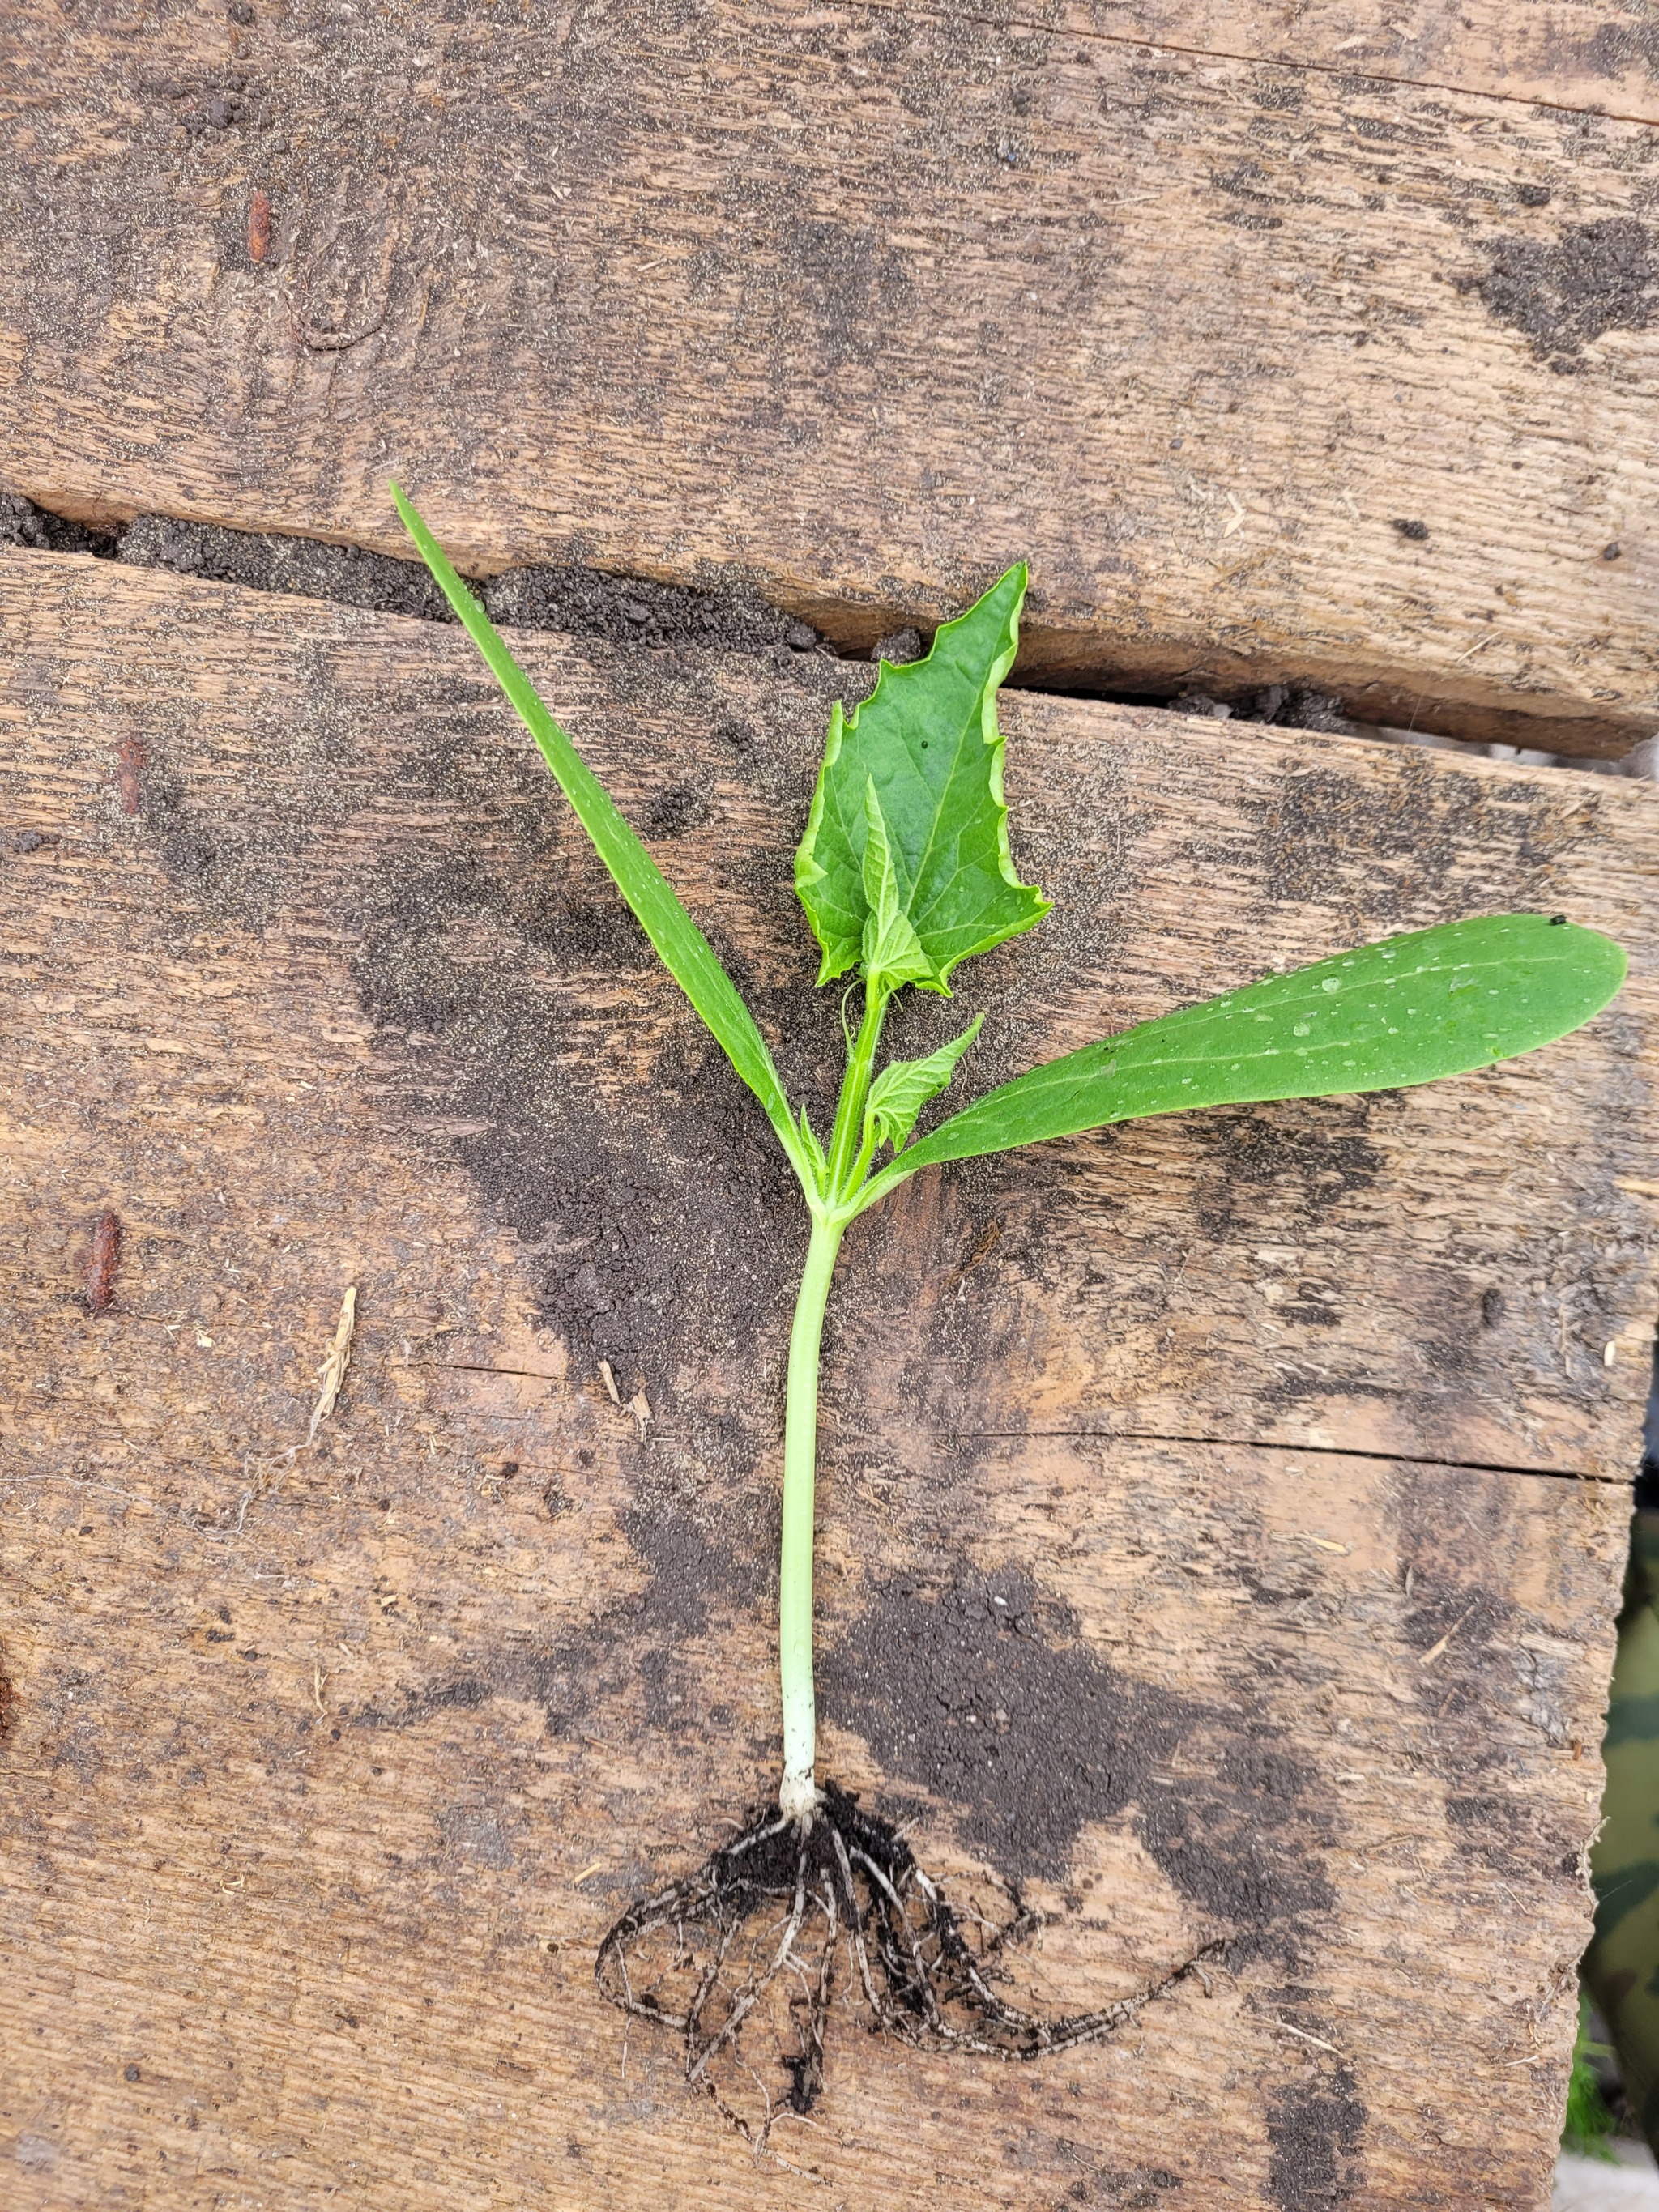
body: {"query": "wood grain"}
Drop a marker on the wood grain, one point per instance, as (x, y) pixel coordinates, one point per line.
(328, 1767)
(1570, 53)
(863, 303)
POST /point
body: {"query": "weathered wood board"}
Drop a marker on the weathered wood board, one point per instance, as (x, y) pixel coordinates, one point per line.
(1272, 371)
(1564, 53)
(328, 1764)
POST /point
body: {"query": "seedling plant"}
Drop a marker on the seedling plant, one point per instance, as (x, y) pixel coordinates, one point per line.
(905, 873)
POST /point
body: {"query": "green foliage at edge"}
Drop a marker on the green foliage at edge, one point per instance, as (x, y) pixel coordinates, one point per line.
(1589, 2123)
(1621, 1966)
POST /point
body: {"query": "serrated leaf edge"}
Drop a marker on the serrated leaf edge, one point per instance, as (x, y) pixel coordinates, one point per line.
(946, 1058)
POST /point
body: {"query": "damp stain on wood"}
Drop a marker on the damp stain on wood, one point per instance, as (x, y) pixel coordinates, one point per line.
(982, 1693)
(1564, 294)
(1316, 2130)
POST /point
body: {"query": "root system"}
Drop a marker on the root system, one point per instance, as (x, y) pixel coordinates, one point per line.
(762, 1929)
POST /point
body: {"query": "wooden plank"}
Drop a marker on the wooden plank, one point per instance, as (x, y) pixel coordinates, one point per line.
(310, 983)
(1196, 1276)
(860, 302)
(1571, 55)
(315, 1907)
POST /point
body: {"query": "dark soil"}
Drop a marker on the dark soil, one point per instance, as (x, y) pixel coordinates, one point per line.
(985, 1696)
(1286, 706)
(261, 561)
(23, 523)
(1595, 277)
(633, 610)
(578, 601)
(756, 1937)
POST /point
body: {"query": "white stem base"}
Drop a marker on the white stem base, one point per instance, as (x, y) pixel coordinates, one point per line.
(799, 1797)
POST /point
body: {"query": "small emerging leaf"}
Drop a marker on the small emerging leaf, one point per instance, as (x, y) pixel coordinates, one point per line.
(814, 1150)
(892, 950)
(926, 740)
(904, 1086)
(685, 951)
(1437, 1002)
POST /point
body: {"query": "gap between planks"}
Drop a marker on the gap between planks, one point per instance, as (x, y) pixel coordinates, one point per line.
(1102, 685)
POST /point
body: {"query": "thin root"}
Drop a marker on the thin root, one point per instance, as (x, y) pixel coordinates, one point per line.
(844, 1875)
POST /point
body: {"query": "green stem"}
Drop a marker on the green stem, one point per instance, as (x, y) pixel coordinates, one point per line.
(799, 1795)
(848, 1158)
(848, 1133)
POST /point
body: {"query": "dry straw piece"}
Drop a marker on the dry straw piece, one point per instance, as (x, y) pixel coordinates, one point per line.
(332, 1371)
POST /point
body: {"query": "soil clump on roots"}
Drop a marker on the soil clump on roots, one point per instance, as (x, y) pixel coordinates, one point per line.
(756, 1938)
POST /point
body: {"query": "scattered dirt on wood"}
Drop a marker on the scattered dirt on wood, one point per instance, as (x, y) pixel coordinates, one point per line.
(1613, 50)
(242, 854)
(1401, 855)
(1471, 1638)
(982, 1692)
(1316, 2130)
(1595, 277)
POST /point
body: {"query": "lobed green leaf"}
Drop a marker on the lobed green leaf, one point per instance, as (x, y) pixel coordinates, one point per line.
(684, 950)
(904, 1086)
(927, 743)
(1435, 1003)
